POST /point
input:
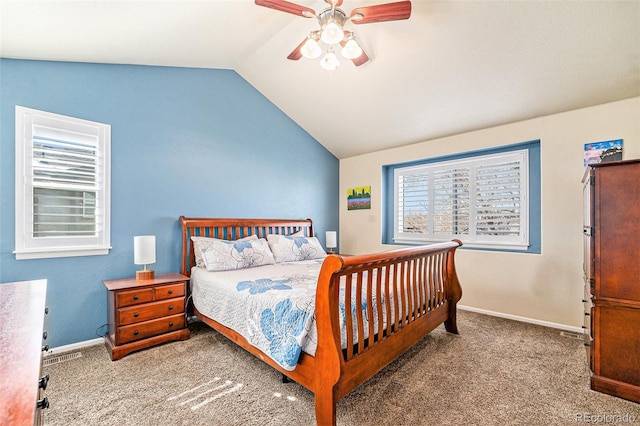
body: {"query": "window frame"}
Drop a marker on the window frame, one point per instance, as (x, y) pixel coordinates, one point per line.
(530, 228)
(28, 246)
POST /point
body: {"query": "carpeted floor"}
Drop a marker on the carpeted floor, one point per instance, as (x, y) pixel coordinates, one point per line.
(496, 372)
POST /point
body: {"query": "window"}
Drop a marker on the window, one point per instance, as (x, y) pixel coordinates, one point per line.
(62, 186)
(482, 199)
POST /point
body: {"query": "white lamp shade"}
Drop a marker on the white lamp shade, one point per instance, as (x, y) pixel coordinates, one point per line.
(144, 249)
(332, 239)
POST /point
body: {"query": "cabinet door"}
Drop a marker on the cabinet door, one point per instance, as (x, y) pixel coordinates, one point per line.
(617, 231)
(617, 339)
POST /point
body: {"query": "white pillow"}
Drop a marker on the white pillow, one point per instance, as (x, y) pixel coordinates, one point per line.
(286, 248)
(227, 255)
(202, 243)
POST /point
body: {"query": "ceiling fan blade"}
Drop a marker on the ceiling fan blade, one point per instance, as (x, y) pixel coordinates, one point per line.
(285, 6)
(381, 12)
(297, 52)
(361, 60)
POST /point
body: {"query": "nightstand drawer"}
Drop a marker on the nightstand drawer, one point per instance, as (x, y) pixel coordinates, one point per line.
(149, 311)
(131, 333)
(134, 297)
(168, 291)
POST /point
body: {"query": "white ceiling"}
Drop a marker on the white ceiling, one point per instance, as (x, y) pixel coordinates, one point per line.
(453, 67)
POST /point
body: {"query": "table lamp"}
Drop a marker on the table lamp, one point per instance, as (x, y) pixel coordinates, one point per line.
(331, 240)
(144, 253)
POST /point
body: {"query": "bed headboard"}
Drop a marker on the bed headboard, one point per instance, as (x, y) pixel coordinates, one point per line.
(232, 229)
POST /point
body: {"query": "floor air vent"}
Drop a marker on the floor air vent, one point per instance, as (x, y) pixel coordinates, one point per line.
(572, 335)
(61, 358)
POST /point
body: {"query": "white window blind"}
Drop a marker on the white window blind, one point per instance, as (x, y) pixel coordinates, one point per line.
(481, 200)
(62, 185)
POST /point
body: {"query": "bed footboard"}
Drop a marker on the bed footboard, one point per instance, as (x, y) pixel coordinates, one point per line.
(396, 299)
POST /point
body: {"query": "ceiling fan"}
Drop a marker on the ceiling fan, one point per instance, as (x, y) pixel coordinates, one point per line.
(332, 32)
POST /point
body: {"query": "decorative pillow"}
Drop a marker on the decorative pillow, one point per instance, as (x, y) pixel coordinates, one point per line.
(202, 243)
(287, 248)
(226, 255)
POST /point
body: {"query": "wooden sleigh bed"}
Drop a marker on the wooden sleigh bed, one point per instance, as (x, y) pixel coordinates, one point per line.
(424, 278)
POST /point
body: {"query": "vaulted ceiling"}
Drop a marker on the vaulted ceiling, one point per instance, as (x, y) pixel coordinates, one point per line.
(452, 67)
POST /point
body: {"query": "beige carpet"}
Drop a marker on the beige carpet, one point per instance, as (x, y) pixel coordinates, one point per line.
(496, 372)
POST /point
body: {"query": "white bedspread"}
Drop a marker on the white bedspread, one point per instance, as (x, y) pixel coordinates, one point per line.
(272, 306)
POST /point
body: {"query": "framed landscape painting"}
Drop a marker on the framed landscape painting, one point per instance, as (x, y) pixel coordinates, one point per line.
(602, 152)
(359, 198)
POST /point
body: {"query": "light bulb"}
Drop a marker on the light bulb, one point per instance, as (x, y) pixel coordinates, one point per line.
(330, 61)
(351, 49)
(310, 49)
(332, 33)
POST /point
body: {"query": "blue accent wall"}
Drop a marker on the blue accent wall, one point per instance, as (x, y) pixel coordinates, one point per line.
(184, 141)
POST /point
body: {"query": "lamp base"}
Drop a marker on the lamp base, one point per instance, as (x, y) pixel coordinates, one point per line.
(144, 275)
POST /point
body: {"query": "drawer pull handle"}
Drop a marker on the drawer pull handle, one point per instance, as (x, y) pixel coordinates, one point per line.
(171, 307)
(136, 315)
(170, 324)
(135, 332)
(586, 314)
(135, 297)
(170, 291)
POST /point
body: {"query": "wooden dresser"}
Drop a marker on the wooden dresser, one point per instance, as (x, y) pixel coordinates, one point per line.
(22, 310)
(144, 313)
(612, 277)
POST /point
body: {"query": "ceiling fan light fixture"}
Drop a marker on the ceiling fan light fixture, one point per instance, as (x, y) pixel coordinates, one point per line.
(332, 33)
(310, 49)
(330, 61)
(351, 49)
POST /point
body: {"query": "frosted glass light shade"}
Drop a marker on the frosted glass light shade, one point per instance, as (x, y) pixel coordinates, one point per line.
(144, 249)
(310, 49)
(332, 33)
(331, 238)
(330, 61)
(351, 49)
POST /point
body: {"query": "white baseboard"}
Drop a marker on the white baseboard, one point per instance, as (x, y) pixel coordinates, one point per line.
(523, 319)
(75, 346)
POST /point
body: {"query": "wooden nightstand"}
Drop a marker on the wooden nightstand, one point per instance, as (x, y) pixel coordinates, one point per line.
(145, 313)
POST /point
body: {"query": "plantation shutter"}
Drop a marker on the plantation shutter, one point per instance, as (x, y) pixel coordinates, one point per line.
(64, 183)
(498, 199)
(480, 200)
(413, 203)
(451, 201)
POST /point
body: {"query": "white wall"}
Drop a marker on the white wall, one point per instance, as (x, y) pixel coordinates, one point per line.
(546, 287)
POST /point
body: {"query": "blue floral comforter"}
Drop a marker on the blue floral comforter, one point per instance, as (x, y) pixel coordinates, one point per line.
(272, 306)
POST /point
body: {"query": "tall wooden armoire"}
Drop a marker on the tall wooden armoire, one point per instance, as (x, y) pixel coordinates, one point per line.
(612, 277)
